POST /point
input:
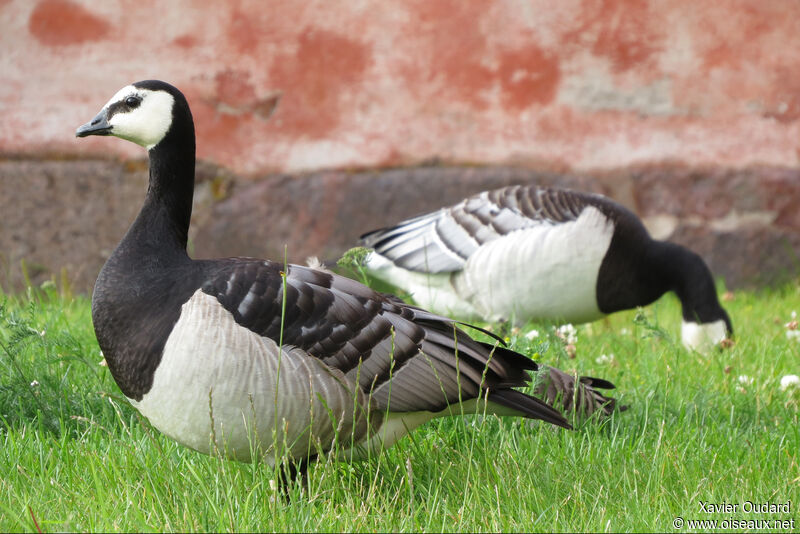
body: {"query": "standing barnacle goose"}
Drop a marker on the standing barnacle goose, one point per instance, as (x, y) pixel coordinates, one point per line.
(529, 253)
(242, 355)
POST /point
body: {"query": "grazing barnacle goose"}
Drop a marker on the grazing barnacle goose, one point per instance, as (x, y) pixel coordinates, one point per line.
(242, 355)
(525, 253)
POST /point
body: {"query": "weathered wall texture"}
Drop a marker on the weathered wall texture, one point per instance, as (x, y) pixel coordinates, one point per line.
(688, 112)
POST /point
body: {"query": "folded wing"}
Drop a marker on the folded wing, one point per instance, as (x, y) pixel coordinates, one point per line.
(404, 358)
(443, 240)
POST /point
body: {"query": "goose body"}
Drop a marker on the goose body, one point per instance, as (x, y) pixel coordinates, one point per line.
(525, 253)
(249, 356)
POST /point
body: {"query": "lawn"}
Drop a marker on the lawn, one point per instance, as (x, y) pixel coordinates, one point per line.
(699, 431)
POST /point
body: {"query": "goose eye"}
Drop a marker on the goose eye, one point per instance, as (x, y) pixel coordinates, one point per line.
(132, 102)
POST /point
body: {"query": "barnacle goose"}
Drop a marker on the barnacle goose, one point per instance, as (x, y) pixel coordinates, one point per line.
(531, 253)
(242, 355)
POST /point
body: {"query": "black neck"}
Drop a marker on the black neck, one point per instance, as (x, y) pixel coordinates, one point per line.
(685, 273)
(162, 227)
(140, 289)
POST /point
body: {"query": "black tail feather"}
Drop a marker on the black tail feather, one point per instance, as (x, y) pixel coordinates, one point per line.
(581, 396)
(528, 406)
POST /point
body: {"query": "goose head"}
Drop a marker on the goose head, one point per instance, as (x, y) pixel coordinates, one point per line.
(143, 113)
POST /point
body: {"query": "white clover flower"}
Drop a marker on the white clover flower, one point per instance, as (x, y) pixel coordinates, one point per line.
(604, 359)
(35, 384)
(790, 381)
(532, 334)
(568, 333)
(745, 380)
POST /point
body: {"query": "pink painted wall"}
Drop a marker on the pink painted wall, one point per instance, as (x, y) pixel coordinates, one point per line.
(568, 85)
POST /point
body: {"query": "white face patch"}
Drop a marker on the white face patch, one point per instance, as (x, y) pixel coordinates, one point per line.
(703, 337)
(145, 125)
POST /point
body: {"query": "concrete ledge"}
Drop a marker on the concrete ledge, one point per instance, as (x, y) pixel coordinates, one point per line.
(70, 213)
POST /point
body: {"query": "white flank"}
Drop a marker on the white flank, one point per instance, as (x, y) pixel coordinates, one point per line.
(544, 272)
(147, 124)
(702, 337)
(215, 371)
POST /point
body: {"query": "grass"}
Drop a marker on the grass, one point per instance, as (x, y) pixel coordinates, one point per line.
(74, 455)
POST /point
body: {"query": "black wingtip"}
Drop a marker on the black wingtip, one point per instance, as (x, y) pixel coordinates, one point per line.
(529, 407)
(596, 382)
(373, 238)
(517, 360)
